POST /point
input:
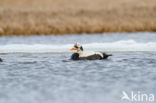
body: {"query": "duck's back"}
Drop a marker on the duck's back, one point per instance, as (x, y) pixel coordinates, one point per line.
(90, 53)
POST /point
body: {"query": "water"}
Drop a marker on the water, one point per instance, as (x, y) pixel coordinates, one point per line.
(38, 69)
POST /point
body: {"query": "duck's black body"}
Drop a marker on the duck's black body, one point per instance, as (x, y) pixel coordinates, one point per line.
(75, 56)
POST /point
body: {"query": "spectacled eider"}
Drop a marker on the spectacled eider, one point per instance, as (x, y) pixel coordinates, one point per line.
(87, 55)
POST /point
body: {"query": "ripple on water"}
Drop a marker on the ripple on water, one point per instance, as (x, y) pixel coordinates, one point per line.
(46, 78)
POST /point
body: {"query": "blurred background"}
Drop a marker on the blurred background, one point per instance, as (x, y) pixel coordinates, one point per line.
(27, 17)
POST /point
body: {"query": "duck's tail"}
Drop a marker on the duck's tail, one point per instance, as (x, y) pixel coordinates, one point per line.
(105, 56)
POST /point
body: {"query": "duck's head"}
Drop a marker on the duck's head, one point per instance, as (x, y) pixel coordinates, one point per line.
(77, 47)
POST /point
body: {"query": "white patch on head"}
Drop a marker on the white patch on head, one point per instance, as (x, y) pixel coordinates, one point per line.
(77, 45)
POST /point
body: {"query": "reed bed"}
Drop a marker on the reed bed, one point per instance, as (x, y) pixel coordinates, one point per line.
(46, 17)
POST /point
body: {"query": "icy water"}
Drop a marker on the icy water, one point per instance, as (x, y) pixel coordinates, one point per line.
(38, 69)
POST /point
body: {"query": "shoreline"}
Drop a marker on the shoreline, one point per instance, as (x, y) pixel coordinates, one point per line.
(50, 17)
(48, 34)
(101, 31)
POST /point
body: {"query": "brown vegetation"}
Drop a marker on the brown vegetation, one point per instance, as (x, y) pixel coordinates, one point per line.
(27, 17)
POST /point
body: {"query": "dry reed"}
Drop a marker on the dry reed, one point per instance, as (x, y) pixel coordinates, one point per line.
(43, 17)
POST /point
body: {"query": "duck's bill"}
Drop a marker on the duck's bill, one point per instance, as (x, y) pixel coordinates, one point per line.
(72, 49)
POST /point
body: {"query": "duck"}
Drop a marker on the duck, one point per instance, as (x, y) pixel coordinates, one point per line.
(80, 54)
(1, 60)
